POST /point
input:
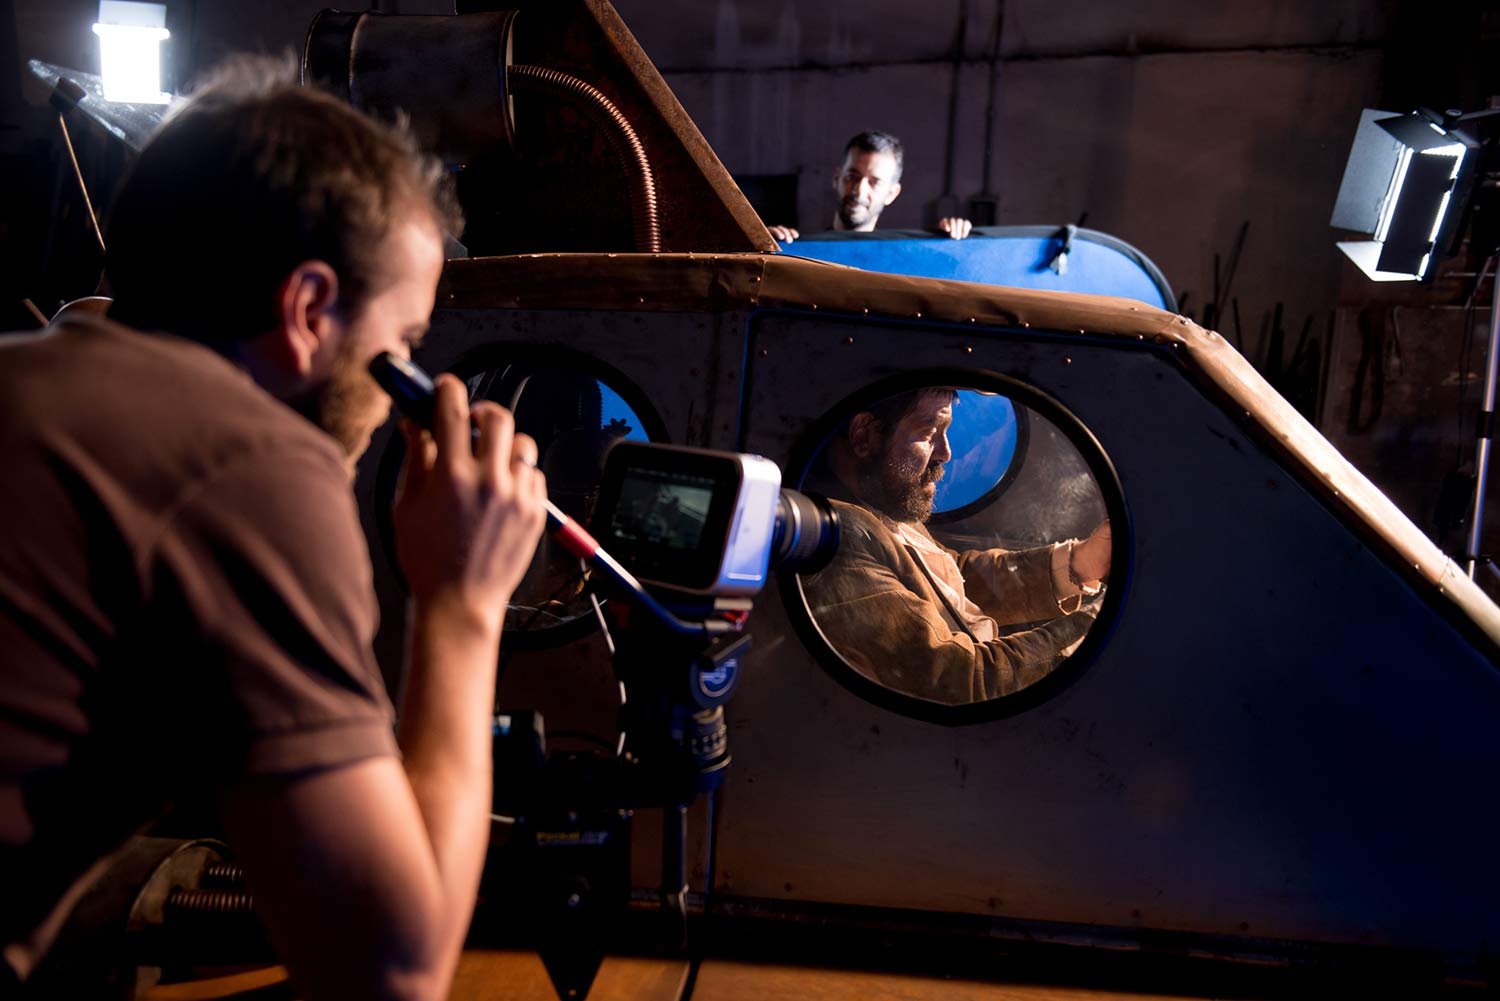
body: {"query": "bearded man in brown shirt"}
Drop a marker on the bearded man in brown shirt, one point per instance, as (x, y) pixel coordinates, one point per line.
(185, 591)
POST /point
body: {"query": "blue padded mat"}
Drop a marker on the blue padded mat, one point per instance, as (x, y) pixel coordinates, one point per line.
(1017, 256)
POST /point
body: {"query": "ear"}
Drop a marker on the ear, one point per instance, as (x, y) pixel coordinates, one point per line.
(307, 317)
(864, 435)
(895, 190)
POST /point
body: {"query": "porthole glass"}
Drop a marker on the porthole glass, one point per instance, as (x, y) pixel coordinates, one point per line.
(952, 598)
(988, 439)
(575, 418)
(575, 412)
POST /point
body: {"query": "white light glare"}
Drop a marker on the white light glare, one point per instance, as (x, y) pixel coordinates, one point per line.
(130, 37)
(1366, 254)
(1457, 151)
(1392, 195)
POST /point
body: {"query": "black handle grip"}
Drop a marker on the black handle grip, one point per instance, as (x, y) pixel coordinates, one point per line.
(411, 388)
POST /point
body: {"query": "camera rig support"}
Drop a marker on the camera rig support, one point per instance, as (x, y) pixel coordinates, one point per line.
(707, 528)
(568, 857)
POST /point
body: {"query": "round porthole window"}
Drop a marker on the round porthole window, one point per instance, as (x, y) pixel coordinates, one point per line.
(575, 408)
(982, 544)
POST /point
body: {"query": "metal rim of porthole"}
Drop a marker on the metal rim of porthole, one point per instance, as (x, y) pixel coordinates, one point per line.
(809, 446)
(501, 355)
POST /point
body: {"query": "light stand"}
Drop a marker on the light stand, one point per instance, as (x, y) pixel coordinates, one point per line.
(1484, 431)
(64, 98)
(1411, 185)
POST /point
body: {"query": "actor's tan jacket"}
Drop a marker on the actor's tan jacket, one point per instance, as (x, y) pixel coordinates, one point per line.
(879, 609)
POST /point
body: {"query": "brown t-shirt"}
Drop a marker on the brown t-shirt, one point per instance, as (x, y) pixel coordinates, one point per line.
(185, 597)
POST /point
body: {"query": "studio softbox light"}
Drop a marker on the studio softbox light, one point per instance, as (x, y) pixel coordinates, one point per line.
(1406, 187)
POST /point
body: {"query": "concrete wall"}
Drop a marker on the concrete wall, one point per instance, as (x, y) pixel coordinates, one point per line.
(1169, 124)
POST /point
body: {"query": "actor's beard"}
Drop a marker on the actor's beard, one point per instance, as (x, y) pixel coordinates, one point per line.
(849, 206)
(349, 405)
(884, 488)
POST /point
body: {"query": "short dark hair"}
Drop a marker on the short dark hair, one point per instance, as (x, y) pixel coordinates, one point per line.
(247, 179)
(879, 142)
(889, 411)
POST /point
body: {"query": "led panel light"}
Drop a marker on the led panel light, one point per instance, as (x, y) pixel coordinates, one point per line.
(1405, 186)
(130, 37)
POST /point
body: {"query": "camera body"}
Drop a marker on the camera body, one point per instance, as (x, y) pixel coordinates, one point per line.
(693, 520)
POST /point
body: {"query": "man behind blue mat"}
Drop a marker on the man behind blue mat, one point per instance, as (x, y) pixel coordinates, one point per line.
(868, 181)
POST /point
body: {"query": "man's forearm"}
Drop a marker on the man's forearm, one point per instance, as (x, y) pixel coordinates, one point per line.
(1011, 586)
(444, 732)
(366, 874)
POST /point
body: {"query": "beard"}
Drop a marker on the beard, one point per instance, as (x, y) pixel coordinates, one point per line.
(854, 213)
(894, 491)
(349, 405)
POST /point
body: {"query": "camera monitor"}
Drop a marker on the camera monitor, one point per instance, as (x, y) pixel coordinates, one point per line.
(689, 518)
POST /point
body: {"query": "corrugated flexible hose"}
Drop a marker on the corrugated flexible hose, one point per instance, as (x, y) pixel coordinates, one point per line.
(622, 139)
(182, 902)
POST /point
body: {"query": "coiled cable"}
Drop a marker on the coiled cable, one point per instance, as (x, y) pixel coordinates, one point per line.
(621, 136)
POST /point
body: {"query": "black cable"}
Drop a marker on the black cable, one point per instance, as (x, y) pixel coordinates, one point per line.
(1303, 340)
(531, 620)
(1370, 368)
(959, 46)
(989, 106)
(695, 963)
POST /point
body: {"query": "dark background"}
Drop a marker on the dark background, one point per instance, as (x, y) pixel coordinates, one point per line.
(1185, 129)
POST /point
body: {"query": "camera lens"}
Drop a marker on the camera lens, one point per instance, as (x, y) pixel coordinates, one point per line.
(806, 534)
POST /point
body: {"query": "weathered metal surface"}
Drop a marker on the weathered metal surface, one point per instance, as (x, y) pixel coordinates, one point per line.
(564, 190)
(447, 75)
(1284, 735)
(720, 282)
(1229, 763)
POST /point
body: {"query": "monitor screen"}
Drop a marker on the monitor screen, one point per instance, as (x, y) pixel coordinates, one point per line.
(662, 508)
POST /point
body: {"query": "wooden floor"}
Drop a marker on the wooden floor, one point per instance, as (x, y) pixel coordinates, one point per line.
(519, 976)
(490, 976)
